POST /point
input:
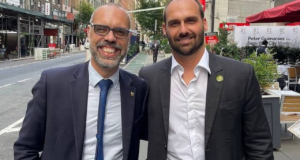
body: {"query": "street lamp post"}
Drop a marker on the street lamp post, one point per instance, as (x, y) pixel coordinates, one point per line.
(212, 15)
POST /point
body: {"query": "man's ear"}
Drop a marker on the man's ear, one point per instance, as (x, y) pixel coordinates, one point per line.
(164, 29)
(205, 25)
(88, 30)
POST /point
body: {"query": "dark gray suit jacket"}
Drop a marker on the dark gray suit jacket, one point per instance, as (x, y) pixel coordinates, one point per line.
(56, 116)
(236, 127)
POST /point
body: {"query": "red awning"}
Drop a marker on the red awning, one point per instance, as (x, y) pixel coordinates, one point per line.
(289, 12)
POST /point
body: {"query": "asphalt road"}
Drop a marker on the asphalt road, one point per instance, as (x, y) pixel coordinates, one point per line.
(16, 81)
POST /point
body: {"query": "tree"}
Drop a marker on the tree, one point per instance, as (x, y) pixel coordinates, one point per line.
(83, 18)
(147, 18)
(85, 12)
(224, 47)
(265, 69)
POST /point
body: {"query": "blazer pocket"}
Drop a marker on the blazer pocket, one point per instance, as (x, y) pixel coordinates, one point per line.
(233, 107)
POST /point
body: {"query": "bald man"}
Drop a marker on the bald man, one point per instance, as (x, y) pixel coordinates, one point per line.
(89, 111)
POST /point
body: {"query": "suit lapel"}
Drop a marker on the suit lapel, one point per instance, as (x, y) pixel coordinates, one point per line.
(164, 82)
(214, 89)
(79, 96)
(127, 109)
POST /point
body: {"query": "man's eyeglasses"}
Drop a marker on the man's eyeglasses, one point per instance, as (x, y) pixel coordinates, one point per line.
(104, 30)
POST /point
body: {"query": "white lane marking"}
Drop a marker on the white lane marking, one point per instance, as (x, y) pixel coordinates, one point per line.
(6, 85)
(20, 65)
(10, 128)
(24, 80)
(13, 130)
(62, 57)
(15, 83)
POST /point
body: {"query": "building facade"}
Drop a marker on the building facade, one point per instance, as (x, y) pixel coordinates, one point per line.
(27, 24)
(234, 11)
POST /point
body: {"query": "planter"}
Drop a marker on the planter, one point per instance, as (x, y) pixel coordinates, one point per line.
(272, 110)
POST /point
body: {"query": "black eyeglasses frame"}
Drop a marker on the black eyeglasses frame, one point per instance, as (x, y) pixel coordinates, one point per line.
(111, 29)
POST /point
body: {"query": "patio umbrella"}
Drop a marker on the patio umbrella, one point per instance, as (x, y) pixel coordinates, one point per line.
(289, 12)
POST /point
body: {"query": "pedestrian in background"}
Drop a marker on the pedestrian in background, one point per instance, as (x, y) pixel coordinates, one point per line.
(263, 49)
(90, 110)
(202, 106)
(155, 48)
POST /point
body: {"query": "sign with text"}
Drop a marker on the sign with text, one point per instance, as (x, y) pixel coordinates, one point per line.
(230, 26)
(275, 35)
(211, 38)
(70, 16)
(47, 8)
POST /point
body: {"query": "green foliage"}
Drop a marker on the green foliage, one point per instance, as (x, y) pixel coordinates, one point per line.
(85, 12)
(165, 46)
(247, 51)
(147, 18)
(224, 48)
(285, 52)
(133, 48)
(265, 68)
(228, 50)
(223, 35)
(83, 18)
(281, 53)
(80, 33)
(167, 49)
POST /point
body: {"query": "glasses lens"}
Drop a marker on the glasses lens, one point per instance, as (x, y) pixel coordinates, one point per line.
(102, 30)
(120, 33)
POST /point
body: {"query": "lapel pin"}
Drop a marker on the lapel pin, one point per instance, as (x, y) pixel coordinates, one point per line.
(220, 78)
(132, 94)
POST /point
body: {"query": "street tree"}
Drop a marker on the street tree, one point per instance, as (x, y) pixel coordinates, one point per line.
(83, 18)
(85, 11)
(147, 19)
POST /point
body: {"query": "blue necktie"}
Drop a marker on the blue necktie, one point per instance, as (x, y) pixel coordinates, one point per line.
(104, 85)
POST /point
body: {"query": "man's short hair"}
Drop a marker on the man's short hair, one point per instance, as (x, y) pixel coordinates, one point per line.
(265, 42)
(197, 1)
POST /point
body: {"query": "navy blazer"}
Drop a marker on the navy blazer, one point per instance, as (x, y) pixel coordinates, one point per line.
(56, 116)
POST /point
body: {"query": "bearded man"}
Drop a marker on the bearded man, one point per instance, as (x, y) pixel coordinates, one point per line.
(89, 111)
(202, 106)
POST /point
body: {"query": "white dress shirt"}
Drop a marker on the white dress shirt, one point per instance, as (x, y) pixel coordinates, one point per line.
(112, 138)
(186, 140)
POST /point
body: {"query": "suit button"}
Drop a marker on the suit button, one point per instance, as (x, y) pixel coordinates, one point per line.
(165, 147)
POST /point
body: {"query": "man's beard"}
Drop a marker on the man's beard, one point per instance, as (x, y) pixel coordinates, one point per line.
(101, 61)
(193, 48)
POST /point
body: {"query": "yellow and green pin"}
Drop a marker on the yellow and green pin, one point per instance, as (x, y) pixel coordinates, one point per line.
(219, 78)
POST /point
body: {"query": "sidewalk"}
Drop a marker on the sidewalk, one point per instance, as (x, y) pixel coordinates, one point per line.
(289, 147)
(141, 60)
(25, 58)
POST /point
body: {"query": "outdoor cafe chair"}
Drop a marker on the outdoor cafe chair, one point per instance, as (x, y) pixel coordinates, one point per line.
(297, 71)
(292, 77)
(289, 109)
